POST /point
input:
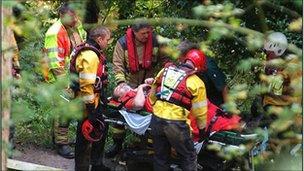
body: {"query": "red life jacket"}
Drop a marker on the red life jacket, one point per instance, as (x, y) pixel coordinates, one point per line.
(127, 43)
(181, 96)
(215, 123)
(101, 76)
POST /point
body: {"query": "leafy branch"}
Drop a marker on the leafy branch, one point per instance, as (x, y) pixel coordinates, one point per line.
(197, 22)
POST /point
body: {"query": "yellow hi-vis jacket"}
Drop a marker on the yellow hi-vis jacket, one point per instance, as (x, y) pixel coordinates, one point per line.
(57, 46)
(170, 111)
(87, 63)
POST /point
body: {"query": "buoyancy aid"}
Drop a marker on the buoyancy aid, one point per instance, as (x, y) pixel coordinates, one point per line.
(101, 76)
(128, 44)
(171, 85)
(217, 120)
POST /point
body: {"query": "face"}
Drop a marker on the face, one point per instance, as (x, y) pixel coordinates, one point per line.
(142, 34)
(270, 55)
(104, 41)
(121, 90)
(69, 19)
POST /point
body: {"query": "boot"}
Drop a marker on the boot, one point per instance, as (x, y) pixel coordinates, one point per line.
(115, 148)
(65, 151)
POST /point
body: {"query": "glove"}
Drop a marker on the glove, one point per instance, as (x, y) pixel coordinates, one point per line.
(202, 134)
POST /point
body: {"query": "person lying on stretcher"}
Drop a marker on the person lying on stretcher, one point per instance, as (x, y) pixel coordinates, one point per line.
(134, 99)
(137, 99)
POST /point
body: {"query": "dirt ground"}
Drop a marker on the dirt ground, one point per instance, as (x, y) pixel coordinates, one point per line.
(48, 157)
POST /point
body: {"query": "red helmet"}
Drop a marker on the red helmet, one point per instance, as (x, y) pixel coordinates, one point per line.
(91, 132)
(198, 58)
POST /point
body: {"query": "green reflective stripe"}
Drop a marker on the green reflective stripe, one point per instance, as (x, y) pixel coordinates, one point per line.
(82, 32)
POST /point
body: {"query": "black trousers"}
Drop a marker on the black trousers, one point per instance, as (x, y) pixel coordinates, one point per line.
(87, 153)
(176, 134)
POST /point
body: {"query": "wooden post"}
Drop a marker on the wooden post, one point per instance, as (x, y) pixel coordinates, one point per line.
(7, 52)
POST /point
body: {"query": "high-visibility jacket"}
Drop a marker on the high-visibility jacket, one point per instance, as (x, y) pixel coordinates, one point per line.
(88, 66)
(57, 46)
(282, 88)
(170, 111)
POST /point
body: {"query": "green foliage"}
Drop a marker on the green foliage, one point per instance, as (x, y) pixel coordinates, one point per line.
(35, 103)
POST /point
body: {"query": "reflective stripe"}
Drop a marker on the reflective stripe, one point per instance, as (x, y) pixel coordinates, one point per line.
(55, 49)
(87, 76)
(88, 98)
(199, 104)
(55, 59)
(60, 59)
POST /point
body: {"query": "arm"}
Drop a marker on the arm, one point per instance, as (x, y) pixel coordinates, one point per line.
(225, 93)
(139, 100)
(199, 102)
(152, 94)
(118, 61)
(86, 65)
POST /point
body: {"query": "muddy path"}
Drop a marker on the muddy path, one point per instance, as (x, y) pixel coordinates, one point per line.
(48, 157)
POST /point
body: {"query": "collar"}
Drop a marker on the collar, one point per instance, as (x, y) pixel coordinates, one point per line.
(93, 43)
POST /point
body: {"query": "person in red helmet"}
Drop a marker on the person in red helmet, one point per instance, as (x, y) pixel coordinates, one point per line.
(177, 91)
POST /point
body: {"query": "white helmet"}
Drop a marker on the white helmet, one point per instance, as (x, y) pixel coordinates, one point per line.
(276, 42)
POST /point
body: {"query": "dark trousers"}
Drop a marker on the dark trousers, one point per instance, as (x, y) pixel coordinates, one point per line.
(176, 134)
(87, 153)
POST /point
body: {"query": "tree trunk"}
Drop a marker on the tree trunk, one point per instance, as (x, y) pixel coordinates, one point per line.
(8, 47)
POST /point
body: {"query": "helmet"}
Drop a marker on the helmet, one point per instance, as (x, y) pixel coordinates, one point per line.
(276, 42)
(198, 58)
(93, 132)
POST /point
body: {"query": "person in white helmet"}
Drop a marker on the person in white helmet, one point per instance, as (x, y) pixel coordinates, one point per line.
(279, 93)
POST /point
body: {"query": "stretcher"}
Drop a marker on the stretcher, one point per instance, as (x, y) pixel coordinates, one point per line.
(138, 122)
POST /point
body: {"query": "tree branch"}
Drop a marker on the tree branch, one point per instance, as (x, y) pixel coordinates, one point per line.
(281, 8)
(197, 22)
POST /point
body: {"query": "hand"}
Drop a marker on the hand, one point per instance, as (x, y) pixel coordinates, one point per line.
(149, 81)
(144, 85)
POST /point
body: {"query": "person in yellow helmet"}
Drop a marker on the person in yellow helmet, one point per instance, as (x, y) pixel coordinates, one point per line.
(65, 34)
(178, 90)
(88, 63)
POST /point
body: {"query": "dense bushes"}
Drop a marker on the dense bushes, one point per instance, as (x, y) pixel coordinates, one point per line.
(226, 45)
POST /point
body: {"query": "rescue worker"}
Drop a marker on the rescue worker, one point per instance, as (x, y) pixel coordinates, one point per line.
(280, 93)
(60, 39)
(135, 58)
(214, 78)
(178, 90)
(88, 62)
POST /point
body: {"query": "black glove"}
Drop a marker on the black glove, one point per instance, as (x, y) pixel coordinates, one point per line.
(202, 135)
